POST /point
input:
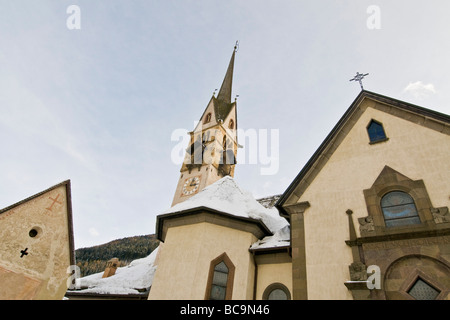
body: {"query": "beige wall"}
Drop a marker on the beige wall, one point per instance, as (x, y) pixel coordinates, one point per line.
(42, 273)
(184, 261)
(413, 150)
(269, 273)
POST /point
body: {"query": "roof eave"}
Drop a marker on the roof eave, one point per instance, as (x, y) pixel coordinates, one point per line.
(160, 219)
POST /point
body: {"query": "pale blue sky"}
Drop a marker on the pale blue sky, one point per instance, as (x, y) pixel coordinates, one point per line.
(98, 105)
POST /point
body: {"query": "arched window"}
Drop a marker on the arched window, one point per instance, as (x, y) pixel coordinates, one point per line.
(399, 209)
(276, 291)
(228, 156)
(231, 124)
(220, 280)
(376, 132)
(207, 118)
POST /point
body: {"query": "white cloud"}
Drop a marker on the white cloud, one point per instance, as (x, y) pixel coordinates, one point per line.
(420, 90)
(93, 232)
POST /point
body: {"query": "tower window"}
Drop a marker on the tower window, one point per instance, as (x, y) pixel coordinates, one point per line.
(399, 209)
(376, 132)
(231, 124)
(207, 118)
(224, 143)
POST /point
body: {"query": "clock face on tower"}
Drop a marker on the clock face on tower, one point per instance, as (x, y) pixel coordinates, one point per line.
(191, 186)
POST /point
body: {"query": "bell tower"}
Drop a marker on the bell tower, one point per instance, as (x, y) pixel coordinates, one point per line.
(212, 150)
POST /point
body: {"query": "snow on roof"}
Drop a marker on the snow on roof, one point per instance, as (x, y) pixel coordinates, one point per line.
(281, 238)
(226, 196)
(127, 280)
(223, 195)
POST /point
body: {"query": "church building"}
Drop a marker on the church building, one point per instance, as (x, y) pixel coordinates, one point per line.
(213, 237)
(366, 218)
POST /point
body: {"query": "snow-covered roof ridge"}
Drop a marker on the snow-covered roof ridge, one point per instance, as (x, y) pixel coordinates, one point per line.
(226, 196)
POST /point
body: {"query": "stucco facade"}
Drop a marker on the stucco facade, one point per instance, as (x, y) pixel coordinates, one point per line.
(416, 148)
(184, 261)
(273, 269)
(353, 167)
(36, 247)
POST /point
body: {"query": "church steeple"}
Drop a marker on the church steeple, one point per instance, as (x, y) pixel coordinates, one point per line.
(212, 151)
(225, 90)
(223, 103)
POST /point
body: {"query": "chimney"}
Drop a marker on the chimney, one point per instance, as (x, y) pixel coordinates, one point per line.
(111, 267)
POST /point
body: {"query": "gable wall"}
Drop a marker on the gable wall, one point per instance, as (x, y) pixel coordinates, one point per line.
(42, 272)
(413, 150)
(209, 109)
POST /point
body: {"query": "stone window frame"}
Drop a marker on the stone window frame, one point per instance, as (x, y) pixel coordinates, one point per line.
(390, 180)
(230, 280)
(274, 286)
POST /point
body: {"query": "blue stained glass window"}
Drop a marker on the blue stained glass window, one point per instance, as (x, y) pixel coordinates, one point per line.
(376, 131)
(399, 209)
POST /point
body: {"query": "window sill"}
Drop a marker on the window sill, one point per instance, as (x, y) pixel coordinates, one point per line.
(378, 141)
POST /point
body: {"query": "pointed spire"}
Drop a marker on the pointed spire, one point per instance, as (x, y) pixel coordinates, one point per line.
(225, 89)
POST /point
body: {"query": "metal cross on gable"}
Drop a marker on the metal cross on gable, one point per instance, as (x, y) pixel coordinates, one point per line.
(359, 77)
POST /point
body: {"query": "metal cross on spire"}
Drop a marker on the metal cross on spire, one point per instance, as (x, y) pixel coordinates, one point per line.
(359, 77)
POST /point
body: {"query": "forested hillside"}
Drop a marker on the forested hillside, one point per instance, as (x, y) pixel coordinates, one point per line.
(93, 259)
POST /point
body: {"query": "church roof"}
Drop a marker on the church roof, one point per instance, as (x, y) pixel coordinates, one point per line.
(222, 108)
(225, 90)
(224, 196)
(422, 116)
(227, 197)
(281, 237)
(222, 103)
